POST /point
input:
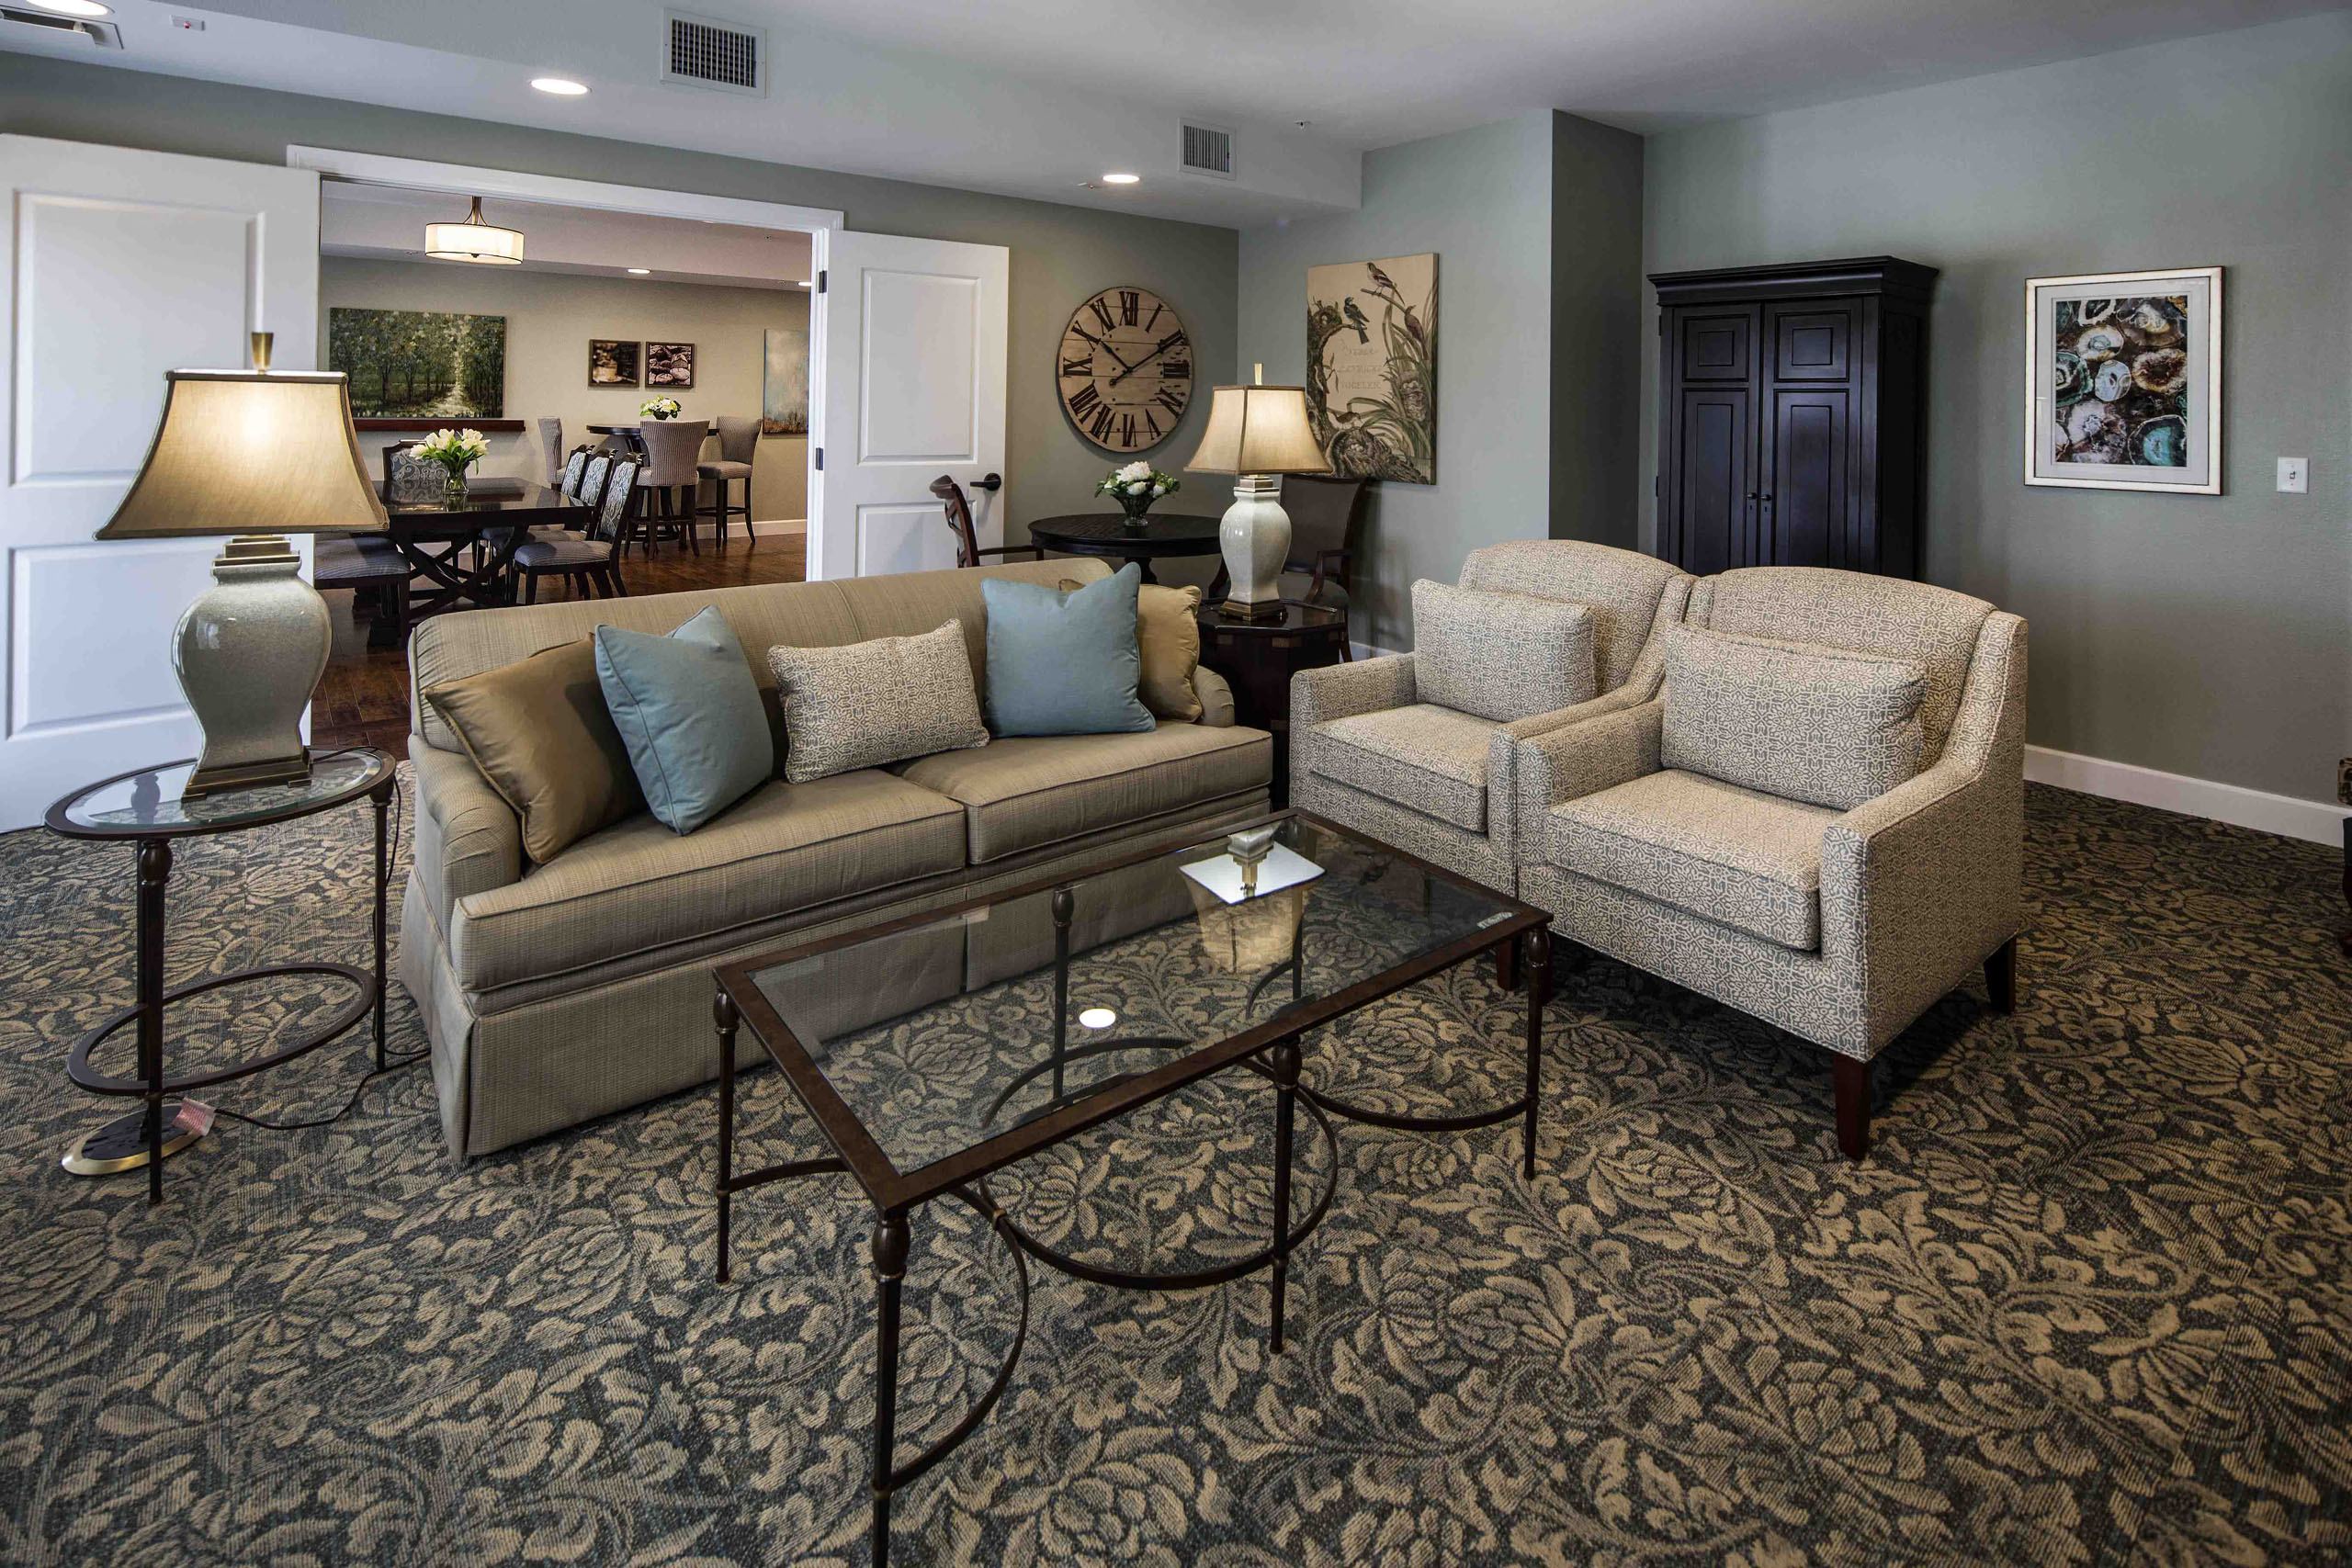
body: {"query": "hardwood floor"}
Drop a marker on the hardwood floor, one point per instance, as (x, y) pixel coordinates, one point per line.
(363, 698)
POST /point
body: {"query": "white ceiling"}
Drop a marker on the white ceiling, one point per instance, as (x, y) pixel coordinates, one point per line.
(384, 223)
(1038, 97)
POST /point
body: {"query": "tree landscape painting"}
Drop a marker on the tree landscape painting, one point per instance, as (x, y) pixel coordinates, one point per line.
(420, 364)
(1372, 366)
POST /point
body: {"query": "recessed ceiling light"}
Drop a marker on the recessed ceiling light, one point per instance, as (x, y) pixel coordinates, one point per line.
(1096, 1018)
(561, 86)
(1120, 179)
(72, 8)
(641, 272)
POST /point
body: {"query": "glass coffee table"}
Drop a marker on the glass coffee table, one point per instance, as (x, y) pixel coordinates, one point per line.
(935, 1050)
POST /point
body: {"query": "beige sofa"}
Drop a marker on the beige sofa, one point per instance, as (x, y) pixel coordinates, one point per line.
(557, 993)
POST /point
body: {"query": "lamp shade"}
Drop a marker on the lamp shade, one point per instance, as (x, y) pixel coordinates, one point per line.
(250, 452)
(474, 240)
(1258, 430)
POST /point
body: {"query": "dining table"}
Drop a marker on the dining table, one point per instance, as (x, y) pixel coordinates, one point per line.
(462, 549)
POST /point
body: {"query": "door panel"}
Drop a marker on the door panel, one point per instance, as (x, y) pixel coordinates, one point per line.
(914, 334)
(1718, 346)
(121, 265)
(1809, 454)
(1712, 478)
(1812, 344)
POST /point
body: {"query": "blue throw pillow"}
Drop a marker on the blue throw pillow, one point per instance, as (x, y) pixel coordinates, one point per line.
(1064, 663)
(689, 712)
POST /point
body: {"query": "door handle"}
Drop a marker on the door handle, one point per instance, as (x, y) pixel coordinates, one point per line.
(989, 483)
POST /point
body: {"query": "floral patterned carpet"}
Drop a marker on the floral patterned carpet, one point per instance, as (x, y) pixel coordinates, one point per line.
(2090, 1300)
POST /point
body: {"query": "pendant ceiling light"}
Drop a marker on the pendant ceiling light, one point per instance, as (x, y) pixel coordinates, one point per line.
(474, 240)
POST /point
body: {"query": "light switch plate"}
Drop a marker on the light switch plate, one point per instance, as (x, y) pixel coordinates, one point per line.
(2294, 476)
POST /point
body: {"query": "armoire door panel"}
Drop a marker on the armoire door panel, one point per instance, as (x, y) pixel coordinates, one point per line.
(1712, 478)
(1717, 346)
(1809, 455)
(1812, 344)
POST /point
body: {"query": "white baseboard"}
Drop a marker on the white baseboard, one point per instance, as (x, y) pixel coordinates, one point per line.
(2317, 820)
(783, 525)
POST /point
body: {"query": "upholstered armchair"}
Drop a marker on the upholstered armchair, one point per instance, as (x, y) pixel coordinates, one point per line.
(1373, 748)
(1819, 820)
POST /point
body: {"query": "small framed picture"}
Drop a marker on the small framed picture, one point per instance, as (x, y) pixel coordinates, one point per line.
(2124, 381)
(670, 365)
(610, 363)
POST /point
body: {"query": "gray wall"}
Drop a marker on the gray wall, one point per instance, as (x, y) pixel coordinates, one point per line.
(1596, 322)
(1059, 254)
(1481, 200)
(2205, 636)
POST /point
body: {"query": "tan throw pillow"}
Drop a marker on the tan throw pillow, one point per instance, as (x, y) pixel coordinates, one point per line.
(539, 732)
(1499, 656)
(1820, 724)
(1168, 637)
(864, 704)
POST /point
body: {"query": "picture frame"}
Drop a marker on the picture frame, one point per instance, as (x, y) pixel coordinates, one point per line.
(612, 362)
(417, 367)
(1372, 366)
(2124, 381)
(783, 387)
(669, 365)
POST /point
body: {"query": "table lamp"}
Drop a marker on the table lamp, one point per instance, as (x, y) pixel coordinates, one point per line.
(1258, 434)
(240, 451)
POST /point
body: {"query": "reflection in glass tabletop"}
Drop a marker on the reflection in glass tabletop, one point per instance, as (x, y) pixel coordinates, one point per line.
(939, 1035)
(149, 803)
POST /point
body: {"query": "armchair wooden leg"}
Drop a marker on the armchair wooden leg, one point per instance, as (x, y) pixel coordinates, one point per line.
(1853, 1079)
(2001, 976)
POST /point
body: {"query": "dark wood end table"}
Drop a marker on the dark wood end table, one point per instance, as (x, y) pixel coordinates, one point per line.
(1258, 657)
(146, 809)
(1162, 536)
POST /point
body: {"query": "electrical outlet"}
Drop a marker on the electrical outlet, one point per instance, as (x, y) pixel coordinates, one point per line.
(2294, 476)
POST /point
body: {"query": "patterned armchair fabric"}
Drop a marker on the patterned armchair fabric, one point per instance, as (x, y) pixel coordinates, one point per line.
(1840, 927)
(1376, 746)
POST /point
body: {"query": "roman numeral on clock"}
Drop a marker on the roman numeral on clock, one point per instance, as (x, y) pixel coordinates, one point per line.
(1127, 430)
(1152, 424)
(1100, 424)
(1173, 340)
(1130, 305)
(1176, 370)
(1168, 399)
(1078, 367)
(1101, 313)
(1082, 399)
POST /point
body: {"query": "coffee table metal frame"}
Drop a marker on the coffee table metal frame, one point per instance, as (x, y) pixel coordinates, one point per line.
(963, 1175)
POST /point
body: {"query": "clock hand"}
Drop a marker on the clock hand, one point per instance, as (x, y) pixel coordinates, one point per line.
(1131, 369)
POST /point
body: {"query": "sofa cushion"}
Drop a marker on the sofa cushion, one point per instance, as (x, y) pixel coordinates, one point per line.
(540, 733)
(1501, 655)
(1425, 757)
(1820, 724)
(875, 701)
(1028, 791)
(636, 885)
(1747, 860)
(690, 715)
(1065, 663)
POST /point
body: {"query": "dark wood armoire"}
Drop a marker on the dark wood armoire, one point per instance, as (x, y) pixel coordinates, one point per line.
(1792, 405)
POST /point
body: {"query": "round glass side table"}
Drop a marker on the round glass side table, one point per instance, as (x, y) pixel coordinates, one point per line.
(147, 810)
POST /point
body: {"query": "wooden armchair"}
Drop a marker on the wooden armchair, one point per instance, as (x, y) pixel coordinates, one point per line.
(960, 521)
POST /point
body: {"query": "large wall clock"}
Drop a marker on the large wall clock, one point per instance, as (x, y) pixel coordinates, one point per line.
(1124, 369)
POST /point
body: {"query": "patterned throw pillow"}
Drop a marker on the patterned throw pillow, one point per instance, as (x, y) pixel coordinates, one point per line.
(868, 702)
(1499, 656)
(1820, 724)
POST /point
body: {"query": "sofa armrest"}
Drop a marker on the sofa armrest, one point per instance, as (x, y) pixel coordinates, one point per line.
(468, 839)
(1920, 885)
(1342, 691)
(1215, 694)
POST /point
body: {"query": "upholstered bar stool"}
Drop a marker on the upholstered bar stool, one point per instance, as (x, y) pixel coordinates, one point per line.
(552, 448)
(672, 448)
(739, 447)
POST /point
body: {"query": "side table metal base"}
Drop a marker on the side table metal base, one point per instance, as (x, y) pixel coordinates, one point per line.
(121, 1143)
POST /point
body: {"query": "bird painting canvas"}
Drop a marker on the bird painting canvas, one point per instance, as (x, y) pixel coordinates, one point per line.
(1372, 366)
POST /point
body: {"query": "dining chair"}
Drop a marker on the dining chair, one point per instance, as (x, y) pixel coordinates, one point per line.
(592, 558)
(409, 479)
(739, 447)
(959, 522)
(552, 443)
(673, 447)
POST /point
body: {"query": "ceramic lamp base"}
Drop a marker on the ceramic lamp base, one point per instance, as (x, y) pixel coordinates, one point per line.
(1255, 539)
(249, 652)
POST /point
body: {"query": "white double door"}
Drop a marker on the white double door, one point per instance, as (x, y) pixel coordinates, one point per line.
(121, 265)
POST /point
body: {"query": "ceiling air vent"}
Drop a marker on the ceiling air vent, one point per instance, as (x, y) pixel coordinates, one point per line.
(103, 35)
(710, 53)
(1209, 151)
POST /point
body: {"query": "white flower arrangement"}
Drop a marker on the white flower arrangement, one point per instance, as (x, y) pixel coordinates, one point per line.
(456, 450)
(1140, 481)
(658, 407)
